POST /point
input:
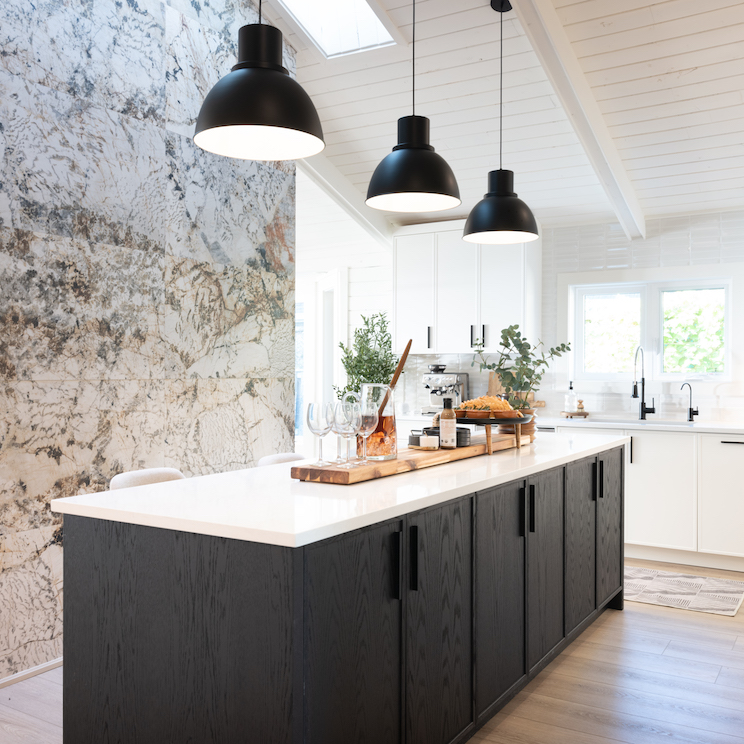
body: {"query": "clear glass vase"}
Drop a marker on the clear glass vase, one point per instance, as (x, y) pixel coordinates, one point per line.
(383, 442)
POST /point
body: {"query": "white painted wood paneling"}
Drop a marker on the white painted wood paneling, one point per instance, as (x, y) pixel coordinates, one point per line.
(327, 239)
(668, 79)
(360, 98)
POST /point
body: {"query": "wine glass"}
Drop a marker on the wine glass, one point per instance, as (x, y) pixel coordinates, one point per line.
(370, 418)
(337, 429)
(350, 421)
(319, 421)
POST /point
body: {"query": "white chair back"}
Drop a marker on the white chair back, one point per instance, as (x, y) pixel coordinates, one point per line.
(144, 477)
(281, 457)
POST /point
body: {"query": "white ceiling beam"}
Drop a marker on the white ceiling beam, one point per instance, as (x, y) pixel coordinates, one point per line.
(326, 176)
(553, 48)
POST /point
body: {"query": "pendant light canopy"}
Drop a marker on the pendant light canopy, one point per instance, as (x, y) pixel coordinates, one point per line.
(500, 218)
(413, 178)
(257, 111)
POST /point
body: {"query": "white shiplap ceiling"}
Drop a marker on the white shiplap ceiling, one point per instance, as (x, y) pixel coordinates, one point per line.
(666, 76)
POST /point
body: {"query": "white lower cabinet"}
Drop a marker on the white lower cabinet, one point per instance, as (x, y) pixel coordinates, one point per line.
(722, 494)
(661, 491)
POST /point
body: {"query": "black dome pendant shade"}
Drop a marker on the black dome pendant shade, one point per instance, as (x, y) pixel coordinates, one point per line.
(257, 111)
(413, 178)
(500, 218)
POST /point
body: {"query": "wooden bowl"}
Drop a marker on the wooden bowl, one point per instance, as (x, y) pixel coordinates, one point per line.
(505, 415)
(464, 413)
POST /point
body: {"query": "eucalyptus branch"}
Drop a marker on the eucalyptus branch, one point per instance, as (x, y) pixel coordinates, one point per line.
(519, 365)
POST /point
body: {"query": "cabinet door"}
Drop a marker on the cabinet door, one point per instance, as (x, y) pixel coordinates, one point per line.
(544, 564)
(457, 294)
(661, 489)
(581, 518)
(414, 293)
(609, 525)
(499, 592)
(501, 279)
(353, 633)
(439, 699)
(721, 494)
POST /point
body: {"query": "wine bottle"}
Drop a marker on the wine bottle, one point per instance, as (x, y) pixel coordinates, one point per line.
(448, 426)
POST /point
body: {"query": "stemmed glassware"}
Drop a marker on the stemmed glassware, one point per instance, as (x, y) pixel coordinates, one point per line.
(370, 419)
(337, 429)
(319, 421)
(348, 420)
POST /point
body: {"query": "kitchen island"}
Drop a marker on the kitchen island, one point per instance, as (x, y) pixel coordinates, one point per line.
(248, 607)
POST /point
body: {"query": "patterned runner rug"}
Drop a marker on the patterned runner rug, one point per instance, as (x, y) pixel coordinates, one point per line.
(697, 593)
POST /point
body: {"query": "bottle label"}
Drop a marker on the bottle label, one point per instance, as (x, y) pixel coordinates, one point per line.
(448, 433)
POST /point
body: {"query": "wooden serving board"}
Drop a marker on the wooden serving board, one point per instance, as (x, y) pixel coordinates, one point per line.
(408, 460)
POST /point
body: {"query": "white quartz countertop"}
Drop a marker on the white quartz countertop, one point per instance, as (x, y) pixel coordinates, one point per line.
(697, 427)
(266, 505)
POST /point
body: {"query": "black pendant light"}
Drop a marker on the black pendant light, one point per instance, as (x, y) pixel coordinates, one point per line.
(500, 217)
(257, 111)
(413, 178)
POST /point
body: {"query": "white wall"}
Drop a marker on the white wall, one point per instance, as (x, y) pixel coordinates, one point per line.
(677, 245)
(328, 238)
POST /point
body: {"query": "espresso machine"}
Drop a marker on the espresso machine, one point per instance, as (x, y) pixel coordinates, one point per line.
(441, 385)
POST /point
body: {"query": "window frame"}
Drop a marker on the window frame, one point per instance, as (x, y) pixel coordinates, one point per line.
(652, 324)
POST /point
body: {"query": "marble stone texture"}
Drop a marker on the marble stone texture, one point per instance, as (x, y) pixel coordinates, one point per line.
(110, 54)
(147, 304)
(223, 211)
(217, 425)
(72, 309)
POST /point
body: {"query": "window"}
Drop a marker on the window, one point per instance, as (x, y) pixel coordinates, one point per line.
(611, 331)
(693, 325)
(682, 329)
(339, 27)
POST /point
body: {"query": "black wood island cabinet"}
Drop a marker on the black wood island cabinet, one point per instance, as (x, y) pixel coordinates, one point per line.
(411, 631)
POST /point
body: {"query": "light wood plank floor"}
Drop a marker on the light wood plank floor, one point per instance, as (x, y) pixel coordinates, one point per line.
(646, 675)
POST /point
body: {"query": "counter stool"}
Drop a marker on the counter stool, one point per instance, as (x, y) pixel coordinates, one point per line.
(144, 477)
(281, 457)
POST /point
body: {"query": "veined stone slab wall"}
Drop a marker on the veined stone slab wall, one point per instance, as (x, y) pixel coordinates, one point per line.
(147, 287)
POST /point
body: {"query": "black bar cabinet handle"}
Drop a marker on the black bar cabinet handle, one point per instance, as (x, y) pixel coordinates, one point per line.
(428, 337)
(483, 334)
(631, 450)
(594, 481)
(414, 533)
(522, 511)
(601, 478)
(727, 441)
(398, 571)
(532, 508)
(472, 336)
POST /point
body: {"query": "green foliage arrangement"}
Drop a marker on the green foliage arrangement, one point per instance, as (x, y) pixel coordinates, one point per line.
(370, 357)
(519, 365)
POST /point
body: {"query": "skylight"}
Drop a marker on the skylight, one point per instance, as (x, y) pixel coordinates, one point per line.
(339, 27)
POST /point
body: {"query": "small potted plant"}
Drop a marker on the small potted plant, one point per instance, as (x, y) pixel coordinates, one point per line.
(370, 357)
(520, 368)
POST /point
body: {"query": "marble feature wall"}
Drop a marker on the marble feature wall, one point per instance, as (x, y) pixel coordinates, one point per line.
(147, 304)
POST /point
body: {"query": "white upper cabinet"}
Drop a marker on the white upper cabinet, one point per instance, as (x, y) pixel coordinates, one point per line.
(456, 299)
(449, 293)
(414, 293)
(501, 284)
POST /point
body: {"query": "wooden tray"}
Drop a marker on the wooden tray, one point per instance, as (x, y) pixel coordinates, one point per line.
(407, 461)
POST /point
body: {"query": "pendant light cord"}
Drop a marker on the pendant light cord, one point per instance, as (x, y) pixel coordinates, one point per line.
(260, 3)
(413, 63)
(501, 91)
